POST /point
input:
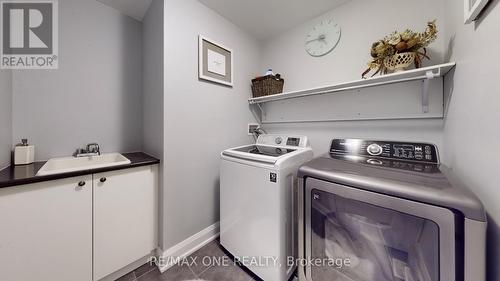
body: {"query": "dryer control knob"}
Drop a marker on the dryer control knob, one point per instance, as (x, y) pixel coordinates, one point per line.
(374, 149)
(278, 140)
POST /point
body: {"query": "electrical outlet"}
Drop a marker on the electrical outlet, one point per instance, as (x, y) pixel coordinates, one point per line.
(251, 128)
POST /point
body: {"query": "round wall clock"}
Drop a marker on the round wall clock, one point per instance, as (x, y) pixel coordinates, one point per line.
(323, 38)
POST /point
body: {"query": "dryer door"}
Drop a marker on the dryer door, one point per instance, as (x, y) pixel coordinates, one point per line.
(357, 235)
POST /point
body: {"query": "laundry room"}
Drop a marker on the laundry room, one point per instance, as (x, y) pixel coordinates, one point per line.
(272, 140)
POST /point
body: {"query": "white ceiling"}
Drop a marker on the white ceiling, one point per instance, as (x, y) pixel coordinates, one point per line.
(133, 8)
(266, 18)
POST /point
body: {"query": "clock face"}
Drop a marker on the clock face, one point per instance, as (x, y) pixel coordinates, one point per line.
(323, 38)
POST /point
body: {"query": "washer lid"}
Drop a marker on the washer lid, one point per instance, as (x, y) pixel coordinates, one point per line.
(265, 150)
(434, 185)
(259, 153)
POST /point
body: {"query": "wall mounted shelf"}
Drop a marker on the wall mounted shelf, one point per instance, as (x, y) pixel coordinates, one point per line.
(425, 74)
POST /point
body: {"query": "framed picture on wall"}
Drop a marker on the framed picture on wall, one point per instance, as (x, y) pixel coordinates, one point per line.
(472, 8)
(215, 62)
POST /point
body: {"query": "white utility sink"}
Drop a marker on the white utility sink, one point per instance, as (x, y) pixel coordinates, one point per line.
(74, 164)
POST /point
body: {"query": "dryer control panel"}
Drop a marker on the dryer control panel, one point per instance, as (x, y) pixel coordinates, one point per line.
(420, 152)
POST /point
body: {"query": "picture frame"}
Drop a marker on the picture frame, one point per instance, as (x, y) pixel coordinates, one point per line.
(215, 62)
(472, 8)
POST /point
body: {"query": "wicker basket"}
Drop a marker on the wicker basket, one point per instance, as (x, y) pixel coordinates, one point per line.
(399, 62)
(267, 85)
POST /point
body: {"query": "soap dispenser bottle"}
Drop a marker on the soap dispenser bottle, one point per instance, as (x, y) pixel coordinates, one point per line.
(269, 72)
(24, 153)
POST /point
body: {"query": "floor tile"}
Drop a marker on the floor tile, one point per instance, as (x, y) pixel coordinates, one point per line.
(153, 275)
(225, 273)
(210, 270)
(175, 273)
(127, 277)
(178, 273)
(206, 257)
(143, 269)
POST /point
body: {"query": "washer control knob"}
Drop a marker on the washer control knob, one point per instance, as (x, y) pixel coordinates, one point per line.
(278, 140)
(374, 149)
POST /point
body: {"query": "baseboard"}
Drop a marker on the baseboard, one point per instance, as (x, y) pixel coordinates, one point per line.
(188, 246)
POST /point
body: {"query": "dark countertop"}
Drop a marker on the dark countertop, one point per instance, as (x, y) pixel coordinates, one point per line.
(26, 174)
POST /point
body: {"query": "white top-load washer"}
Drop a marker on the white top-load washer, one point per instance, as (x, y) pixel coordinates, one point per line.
(257, 209)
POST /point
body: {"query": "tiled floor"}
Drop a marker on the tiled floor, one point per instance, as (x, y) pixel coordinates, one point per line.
(200, 269)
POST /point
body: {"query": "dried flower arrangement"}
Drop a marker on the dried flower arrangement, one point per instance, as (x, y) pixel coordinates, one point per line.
(399, 49)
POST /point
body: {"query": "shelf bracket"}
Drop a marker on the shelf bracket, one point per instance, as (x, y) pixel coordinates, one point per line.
(262, 112)
(425, 90)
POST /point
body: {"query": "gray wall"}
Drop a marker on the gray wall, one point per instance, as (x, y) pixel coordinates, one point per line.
(152, 76)
(5, 117)
(286, 54)
(471, 131)
(94, 96)
(362, 23)
(201, 118)
(152, 97)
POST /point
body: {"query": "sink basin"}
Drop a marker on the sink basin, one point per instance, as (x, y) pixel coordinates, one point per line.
(74, 164)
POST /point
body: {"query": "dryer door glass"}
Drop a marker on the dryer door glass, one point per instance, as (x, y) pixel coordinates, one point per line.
(357, 241)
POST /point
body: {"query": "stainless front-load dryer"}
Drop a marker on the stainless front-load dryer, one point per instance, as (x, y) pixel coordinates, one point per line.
(387, 211)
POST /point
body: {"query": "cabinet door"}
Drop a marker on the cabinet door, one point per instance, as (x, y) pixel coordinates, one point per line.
(46, 231)
(125, 217)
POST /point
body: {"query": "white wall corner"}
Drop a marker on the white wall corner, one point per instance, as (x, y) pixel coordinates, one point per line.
(185, 248)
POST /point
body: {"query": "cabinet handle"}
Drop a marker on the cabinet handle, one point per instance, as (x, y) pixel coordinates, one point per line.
(82, 183)
(102, 180)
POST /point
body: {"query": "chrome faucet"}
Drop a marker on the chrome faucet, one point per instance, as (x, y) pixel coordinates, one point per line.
(92, 149)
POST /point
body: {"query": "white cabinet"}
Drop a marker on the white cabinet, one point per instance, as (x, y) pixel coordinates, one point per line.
(79, 229)
(125, 217)
(46, 231)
